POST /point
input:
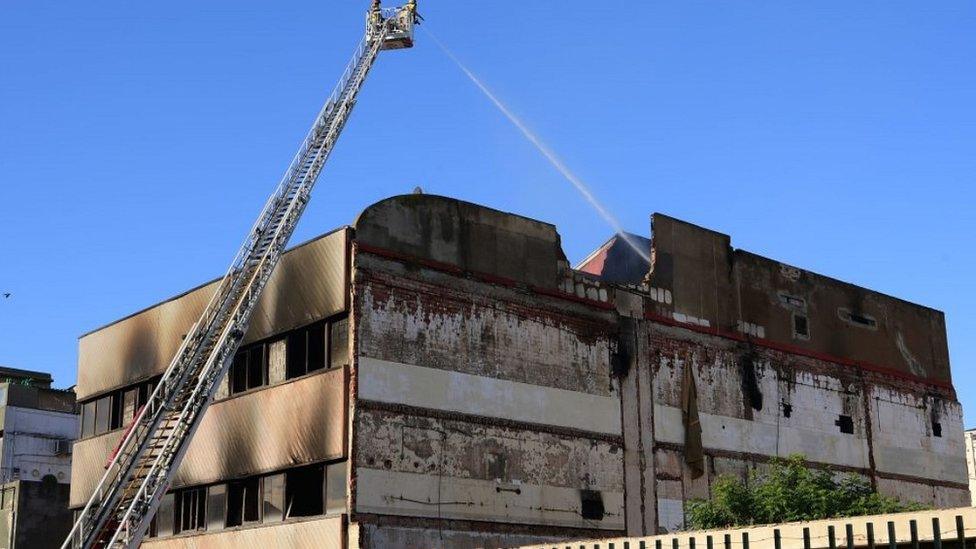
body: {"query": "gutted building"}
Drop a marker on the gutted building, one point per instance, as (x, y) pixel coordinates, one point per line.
(437, 375)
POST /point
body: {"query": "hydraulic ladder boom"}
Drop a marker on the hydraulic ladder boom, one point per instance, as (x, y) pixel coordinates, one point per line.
(121, 507)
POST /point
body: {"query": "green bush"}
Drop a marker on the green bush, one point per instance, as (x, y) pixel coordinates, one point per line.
(788, 491)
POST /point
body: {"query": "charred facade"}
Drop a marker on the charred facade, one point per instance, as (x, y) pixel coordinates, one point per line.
(438, 375)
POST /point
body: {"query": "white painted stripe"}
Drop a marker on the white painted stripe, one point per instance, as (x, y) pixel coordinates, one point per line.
(398, 383)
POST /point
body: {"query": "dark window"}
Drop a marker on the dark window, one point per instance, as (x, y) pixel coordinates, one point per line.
(591, 505)
(216, 507)
(190, 509)
(88, 419)
(116, 411)
(339, 343)
(316, 347)
(846, 424)
(249, 369)
(243, 501)
(257, 366)
(238, 373)
(800, 328)
(303, 491)
(858, 318)
(335, 488)
(295, 354)
(274, 498)
(936, 428)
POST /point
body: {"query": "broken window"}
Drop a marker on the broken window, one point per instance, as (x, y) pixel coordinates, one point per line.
(87, 419)
(190, 510)
(274, 498)
(303, 491)
(216, 507)
(164, 516)
(792, 301)
(115, 400)
(591, 505)
(846, 424)
(858, 319)
(249, 369)
(129, 399)
(801, 329)
(335, 488)
(936, 428)
(243, 501)
(339, 343)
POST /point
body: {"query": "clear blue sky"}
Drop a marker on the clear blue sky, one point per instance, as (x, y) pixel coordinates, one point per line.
(138, 140)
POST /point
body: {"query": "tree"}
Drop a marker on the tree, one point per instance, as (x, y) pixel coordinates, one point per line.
(788, 491)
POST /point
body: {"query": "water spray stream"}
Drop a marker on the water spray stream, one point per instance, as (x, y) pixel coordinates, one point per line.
(548, 153)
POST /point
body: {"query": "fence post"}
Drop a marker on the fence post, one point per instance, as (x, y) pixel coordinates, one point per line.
(892, 540)
(870, 528)
(831, 538)
(691, 543)
(913, 529)
(728, 541)
(806, 537)
(777, 542)
(960, 532)
(936, 533)
(708, 543)
(745, 540)
(849, 532)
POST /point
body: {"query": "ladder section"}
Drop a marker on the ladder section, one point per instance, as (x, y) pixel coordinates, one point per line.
(121, 506)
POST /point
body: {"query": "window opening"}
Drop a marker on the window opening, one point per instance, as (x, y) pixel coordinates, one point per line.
(303, 491)
(846, 424)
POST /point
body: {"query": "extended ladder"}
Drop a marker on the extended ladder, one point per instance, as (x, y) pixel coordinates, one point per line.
(121, 507)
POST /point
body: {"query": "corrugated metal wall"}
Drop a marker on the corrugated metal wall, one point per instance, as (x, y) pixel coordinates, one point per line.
(296, 422)
(309, 283)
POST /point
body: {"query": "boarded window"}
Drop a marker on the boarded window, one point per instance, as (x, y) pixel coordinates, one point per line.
(303, 491)
(335, 488)
(274, 498)
(190, 510)
(339, 343)
(216, 507)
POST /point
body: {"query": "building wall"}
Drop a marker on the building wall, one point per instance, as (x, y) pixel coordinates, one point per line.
(31, 442)
(496, 397)
(970, 443)
(486, 410)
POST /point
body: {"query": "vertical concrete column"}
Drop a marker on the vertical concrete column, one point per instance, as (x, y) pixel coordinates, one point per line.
(631, 366)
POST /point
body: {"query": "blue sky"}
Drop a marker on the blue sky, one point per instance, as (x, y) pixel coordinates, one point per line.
(138, 141)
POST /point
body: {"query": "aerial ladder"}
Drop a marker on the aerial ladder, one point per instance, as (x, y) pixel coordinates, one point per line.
(120, 509)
